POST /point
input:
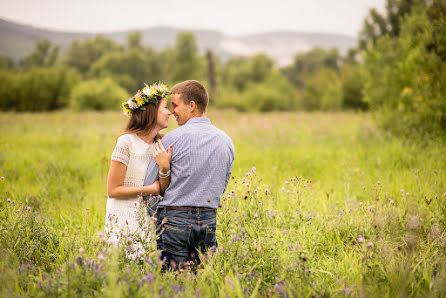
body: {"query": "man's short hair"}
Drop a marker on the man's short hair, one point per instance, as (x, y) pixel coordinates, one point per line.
(192, 90)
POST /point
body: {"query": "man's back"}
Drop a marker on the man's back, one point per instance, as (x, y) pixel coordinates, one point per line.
(201, 165)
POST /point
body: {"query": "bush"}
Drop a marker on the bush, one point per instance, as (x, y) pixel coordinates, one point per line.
(97, 94)
(406, 78)
(274, 94)
(322, 91)
(39, 89)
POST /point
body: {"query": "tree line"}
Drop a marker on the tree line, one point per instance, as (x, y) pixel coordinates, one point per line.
(397, 70)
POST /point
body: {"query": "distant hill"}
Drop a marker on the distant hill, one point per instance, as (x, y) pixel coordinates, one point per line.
(18, 40)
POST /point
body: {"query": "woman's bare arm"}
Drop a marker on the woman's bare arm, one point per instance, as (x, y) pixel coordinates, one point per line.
(116, 188)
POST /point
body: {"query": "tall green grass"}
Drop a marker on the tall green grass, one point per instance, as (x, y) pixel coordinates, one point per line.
(320, 204)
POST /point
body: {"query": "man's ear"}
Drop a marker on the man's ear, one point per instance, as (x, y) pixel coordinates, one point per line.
(192, 106)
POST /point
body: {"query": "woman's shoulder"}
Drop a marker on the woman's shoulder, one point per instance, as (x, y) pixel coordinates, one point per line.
(125, 139)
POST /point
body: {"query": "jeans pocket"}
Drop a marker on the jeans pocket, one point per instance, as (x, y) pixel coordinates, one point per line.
(175, 238)
(210, 238)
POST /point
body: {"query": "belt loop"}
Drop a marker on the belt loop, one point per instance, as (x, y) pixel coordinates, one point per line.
(189, 211)
(198, 211)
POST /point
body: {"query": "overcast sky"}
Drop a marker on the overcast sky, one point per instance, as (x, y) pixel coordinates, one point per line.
(232, 17)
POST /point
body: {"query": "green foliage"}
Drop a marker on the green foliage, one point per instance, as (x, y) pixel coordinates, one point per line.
(130, 69)
(98, 94)
(239, 72)
(377, 25)
(83, 53)
(6, 62)
(322, 91)
(352, 85)
(44, 55)
(406, 77)
(26, 236)
(335, 207)
(38, 89)
(182, 61)
(310, 63)
(274, 93)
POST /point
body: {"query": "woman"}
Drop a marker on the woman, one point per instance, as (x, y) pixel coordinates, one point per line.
(149, 113)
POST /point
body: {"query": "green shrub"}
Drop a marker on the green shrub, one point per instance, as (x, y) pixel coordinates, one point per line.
(406, 78)
(273, 94)
(97, 94)
(322, 91)
(39, 89)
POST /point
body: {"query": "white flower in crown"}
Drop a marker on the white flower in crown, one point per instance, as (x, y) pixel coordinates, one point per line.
(147, 91)
(132, 105)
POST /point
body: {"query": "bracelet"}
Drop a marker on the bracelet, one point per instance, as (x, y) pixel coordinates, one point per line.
(164, 175)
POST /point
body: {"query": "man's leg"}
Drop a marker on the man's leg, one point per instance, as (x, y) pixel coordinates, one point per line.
(175, 230)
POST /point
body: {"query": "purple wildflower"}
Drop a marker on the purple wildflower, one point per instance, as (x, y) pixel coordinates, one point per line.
(369, 245)
(40, 285)
(198, 293)
(278, 288)
(244, 232)
(360, 239)
(149, 277)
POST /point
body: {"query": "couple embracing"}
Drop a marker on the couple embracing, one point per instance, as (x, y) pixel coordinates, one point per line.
(191, 175)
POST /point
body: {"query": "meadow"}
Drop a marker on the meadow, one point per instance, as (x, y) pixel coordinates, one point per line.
(320, 204)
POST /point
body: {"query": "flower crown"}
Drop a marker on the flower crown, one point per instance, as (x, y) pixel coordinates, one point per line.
(152, 93)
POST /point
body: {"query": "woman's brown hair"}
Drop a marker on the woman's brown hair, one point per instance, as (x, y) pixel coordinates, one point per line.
(143, 121)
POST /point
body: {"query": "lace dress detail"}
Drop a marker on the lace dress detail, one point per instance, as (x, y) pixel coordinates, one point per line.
(127, 218)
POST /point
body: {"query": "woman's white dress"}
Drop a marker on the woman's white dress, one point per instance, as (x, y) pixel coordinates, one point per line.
(127, 219)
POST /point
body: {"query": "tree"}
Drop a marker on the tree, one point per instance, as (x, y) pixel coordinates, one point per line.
(376, 24)
(134, 40)
(405, 77)
(44, 55)
(310, 63)
(182, 61)
(83, 53)
(6, 62)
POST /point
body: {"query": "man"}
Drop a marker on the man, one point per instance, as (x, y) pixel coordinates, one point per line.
(201, 165)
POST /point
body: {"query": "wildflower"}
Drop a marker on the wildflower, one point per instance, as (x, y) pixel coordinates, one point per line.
(360, 239)
(149, 277)
(40, 282)
(402, 190)
(3, 178)
(9, 200)
(369, 245)
(81, 249)
(198, 293)
(283, 188)
(266, 190)
(391, 201)
(407, 193)
(244, 232)
(28, 207)
(278, 288)
(100, 234)
(360, 203)
(286, 182)
(253, 169)
(101, 257)
(248, 174)
(255, 216)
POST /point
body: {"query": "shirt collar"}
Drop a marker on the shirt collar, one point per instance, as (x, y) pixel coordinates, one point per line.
(198, 120)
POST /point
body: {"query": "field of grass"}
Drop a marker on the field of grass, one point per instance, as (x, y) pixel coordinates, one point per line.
(320, 204)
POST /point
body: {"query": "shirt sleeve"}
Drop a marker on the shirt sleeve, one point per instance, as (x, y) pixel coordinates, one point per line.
(121, 152)
(153, 168)
(229, 171)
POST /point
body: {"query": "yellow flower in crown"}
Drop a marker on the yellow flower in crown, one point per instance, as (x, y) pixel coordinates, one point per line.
(139, 99)
(149, 94)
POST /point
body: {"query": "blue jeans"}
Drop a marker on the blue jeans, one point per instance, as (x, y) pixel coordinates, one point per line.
(183, 234)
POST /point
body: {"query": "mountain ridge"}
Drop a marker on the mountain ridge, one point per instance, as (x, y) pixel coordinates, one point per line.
(18, 40)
